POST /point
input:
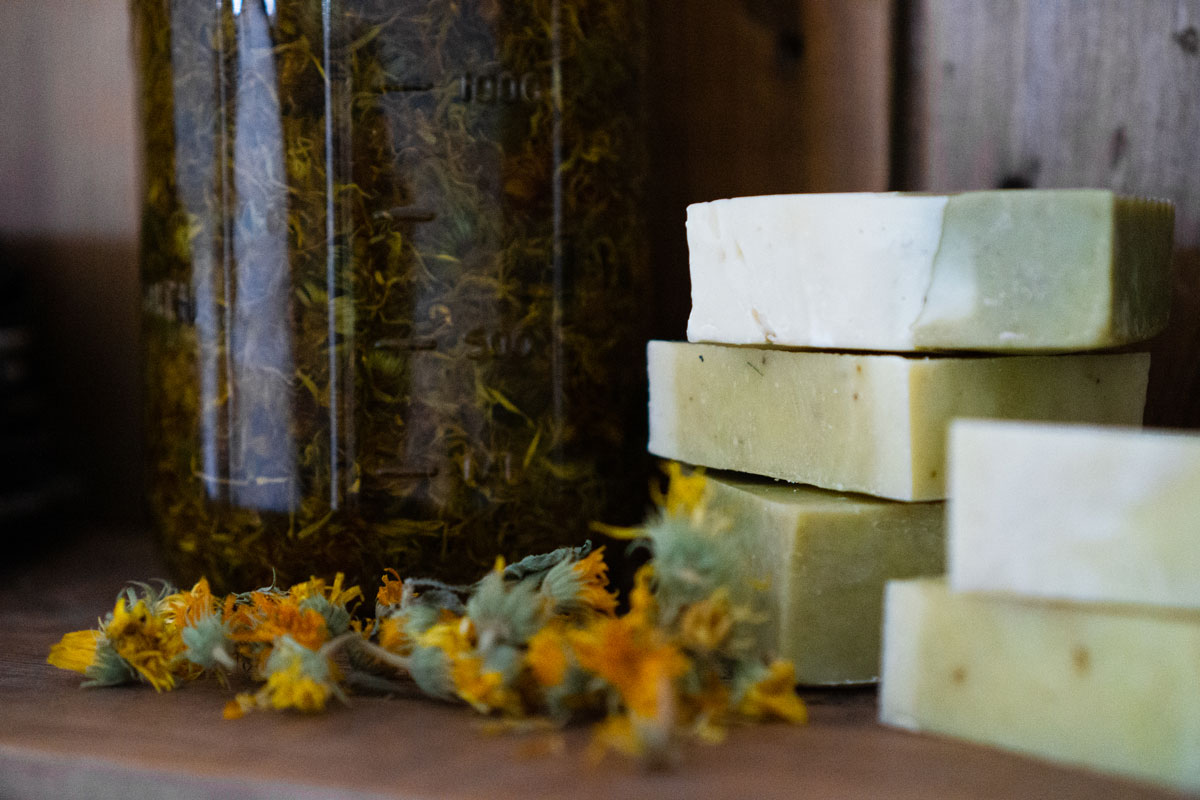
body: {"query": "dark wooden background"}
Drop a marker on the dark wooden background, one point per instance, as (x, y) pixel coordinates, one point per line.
(1066, 93)
(747, 97)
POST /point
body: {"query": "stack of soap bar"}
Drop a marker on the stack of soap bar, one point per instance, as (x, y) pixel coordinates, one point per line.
(864, 423)
(1117, 513)
(1069, 624)
(899, 275)
(825, 558)
(991, 271)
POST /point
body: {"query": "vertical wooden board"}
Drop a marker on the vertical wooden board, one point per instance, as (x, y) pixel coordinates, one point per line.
(760, 97)
(1059, 93)
(1065, 93)
(69, 219)
(68, 160)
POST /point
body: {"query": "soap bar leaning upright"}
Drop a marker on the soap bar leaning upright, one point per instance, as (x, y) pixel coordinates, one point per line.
(1009, 270)
(824, 558)
(1075, 512)
(865, 423)
(1111, 688)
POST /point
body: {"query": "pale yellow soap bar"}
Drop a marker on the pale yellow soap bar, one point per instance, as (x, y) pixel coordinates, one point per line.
(864, 423)
(824, 558)
(1112, 688)
(1077, 512)
(1029, 270)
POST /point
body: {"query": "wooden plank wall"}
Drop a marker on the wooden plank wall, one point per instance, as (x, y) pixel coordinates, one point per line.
(68, 215)
(760, 97)
(1064, 93)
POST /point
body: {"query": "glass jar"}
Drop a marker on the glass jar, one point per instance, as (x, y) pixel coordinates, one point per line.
(394, 267)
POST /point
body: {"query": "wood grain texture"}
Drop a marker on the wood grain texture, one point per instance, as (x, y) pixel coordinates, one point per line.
(755, 97)
(69, 219)
(57, 741)
(1067, 93)
(68, 144)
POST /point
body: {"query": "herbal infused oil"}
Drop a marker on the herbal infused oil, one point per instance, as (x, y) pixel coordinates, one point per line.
(393, 270)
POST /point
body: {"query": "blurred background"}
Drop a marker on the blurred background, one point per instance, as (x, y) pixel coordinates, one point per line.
(747, 97)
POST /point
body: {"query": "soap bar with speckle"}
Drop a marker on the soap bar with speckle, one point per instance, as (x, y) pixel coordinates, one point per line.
(1008, 270)
(1112, 688)
(1075, 512)
(824, 558)
(875, 424)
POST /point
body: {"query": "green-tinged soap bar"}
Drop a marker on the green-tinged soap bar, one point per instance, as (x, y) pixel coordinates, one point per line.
(1075, 512)
(1112, 688)
(1028, 270)
(824, 558)
(865, 423)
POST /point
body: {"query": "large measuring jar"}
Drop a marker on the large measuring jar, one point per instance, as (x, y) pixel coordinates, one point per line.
(393, 268)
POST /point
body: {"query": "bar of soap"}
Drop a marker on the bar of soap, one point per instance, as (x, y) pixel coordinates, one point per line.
(1075, 512)
(1111, 688)
(1027, 270)
(864, 423)
(825, 557)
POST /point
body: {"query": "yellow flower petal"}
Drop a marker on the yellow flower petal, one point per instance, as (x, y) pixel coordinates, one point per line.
(775, 696)
(290, 688)
(76, 651)
(686, 493)
(391, 592)
(636, 661)
(547, 656)
(706, 625)
(593, 576)
(484, 690)
(392, 636)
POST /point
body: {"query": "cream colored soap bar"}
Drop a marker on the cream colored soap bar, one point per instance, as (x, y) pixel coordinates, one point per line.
(1032, 270)
(825, 558)
(864, 423)
(1078, 512)
(1109, 688)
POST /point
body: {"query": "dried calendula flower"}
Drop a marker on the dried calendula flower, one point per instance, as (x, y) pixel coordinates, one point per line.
(330, 601)
(297, 679)
(539, 639)
(641, 665)
(773, 695)
(137, 640)
(204, 627)
(390, 595)
(263, 616)
(578, 585)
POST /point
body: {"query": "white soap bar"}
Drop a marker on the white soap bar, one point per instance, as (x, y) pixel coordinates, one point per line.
(1031, 270)
(875, 424)
(1076, 512)
(1115, 689)
(824, 558)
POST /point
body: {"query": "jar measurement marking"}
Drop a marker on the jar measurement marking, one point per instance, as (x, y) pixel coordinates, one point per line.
(403, 473)
(499, 87)
(403, 88)
(485, 344)
(406, 214)
(475, 470)
(406, 344)
(170, 300)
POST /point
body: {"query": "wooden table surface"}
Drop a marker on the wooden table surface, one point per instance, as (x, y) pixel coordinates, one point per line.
(58, 741)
